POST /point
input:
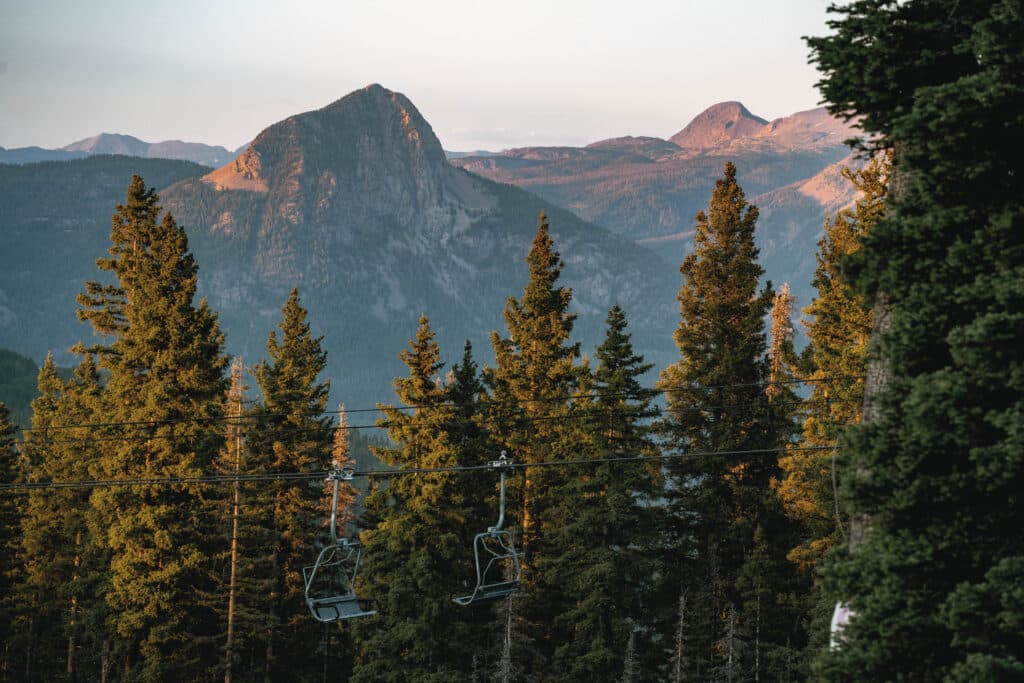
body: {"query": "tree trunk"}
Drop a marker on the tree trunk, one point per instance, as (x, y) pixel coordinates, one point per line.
(677, 673)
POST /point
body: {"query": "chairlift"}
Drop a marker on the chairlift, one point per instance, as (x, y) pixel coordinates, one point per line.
(330, 581)
(497, 563)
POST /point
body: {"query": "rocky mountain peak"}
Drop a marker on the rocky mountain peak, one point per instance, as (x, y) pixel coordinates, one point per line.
(370, 133)
(110, 143)
(717, 124)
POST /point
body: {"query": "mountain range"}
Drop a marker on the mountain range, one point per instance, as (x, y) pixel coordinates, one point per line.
(357, 205)
(649, 189)
(112, 143)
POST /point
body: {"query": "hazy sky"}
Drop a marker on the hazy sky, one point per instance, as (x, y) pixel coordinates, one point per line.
(485, 74)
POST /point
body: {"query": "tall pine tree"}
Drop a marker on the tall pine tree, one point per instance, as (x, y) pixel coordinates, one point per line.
(609, 523)
(66, 566)
(720, 424)
(838, 329)
(418, 543)
(291, 434)
(166, 384)
(531, 384)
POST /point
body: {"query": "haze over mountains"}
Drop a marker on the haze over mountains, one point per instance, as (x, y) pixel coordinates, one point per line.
(110, 143)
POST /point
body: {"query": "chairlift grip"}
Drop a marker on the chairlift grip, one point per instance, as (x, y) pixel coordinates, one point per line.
(337, 475)
(502, 463)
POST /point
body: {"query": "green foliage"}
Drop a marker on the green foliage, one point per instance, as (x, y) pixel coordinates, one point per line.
(838, 330)
(11, 472)
(938, 473)
(418, 542)
(164, 357)
(64, 560)
(721, 504)
(290, 435)
(531, 383)
(608, 523)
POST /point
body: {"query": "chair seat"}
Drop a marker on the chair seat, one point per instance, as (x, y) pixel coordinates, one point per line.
(494, 591)
(336, 608)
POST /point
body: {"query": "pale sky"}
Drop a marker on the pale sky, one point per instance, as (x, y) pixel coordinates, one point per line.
(485, 74)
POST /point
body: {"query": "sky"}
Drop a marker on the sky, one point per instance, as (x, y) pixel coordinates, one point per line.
(485, 74)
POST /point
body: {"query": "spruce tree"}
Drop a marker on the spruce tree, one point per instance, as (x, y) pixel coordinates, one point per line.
(720, 424)
(291, 434)
(531, 384)
(418, 545)
(936, 467)
(66, 572)
(609, 523)
(163, 355)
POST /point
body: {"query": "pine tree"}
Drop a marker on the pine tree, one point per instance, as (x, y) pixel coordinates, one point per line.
(163, 356)
(937, 464)
(11, 472)
(290, 435)
(838, 329)
(718, 410)
(65, 565)
(608, 524)
(531, 384)
(417, 544)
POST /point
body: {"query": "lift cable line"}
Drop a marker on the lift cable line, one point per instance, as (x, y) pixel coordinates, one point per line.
(649, 391)
(383, 474)
(579, 415)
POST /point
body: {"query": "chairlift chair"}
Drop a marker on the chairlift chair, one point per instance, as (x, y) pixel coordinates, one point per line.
(330, 581)
(497, 562)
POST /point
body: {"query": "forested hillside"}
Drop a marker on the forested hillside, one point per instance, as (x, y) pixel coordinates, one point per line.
(187, 561)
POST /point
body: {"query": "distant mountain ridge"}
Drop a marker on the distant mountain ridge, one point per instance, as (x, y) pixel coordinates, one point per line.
(127, 145)
(649, 189)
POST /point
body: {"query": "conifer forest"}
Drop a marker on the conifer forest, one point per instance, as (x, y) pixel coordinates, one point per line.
(820, 492)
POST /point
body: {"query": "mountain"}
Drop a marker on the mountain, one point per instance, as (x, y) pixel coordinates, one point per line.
(110, 143)
(55, 223)
(649, 189)
(356, 205)
(31, 155)
(715, 125)
(476, 153)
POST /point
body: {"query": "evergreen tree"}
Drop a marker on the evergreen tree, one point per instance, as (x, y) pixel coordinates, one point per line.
(838, 330)
(937, 464)
(10, 519)
(718, 410)
(65, 565)
(163, 356)
(291, 435)
(608, 524)
(531, 384)
(417, 545)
